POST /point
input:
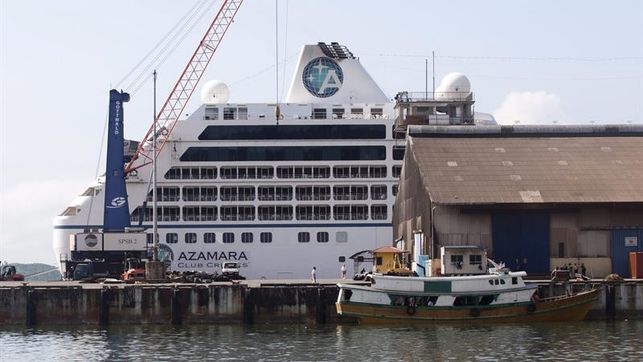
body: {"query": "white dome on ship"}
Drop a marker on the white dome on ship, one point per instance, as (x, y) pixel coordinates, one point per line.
(215, 92)
(453, 85)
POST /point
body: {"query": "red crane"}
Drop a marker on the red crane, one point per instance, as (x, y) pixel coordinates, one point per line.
(185, 86)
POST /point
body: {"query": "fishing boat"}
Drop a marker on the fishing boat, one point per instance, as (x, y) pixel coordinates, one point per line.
(494, 294)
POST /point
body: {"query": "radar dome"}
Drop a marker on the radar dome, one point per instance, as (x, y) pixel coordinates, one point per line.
(453, 85)
(215, 92)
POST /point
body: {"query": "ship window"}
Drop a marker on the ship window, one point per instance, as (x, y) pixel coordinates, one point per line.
(240, 193)
(149, 238)
(377, 112)
(377, 171)
(487, 299)
(275, 212)
(243, 113)
(171, 238)
(167, 213)
(319, 113)
(208, 213)
(228, 238)
(379, 212)
(341, 236)
(465, 300)
(342, 259)
(237, 213)
(247, 237)
(378, 192)
(211, 113)
(395, 189)
(73, 210)
(357, 112)
(491, 282)
(514, 280)
(342, 171)
(274, 193)
(208, 173)
(496, 282)
(338, 113)
(322, 237)
(397, 171)
(229, 113)
(313, 212)
(190, 238)
(303, 237)
(228, 172)
(502, 281)
(173, 174)
(165, 194)
(475, 259)
(295, 132)
(359, 192)
(209, 238)
(398, 152)
(265, 237)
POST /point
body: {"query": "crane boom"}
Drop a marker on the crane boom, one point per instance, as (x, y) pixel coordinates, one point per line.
(185, 86)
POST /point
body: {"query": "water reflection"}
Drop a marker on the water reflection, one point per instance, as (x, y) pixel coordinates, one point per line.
(572, 341)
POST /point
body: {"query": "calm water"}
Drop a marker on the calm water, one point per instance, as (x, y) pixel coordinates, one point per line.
(594, 341)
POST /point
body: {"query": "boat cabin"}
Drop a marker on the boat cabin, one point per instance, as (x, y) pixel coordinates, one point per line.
(463, 260)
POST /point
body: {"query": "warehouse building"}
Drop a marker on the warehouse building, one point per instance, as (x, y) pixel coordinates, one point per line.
(535, 197)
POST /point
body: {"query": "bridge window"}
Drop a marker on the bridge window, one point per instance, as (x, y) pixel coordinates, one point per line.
(211, 113)
(296, 132)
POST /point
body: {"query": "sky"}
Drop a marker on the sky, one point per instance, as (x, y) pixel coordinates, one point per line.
(545, 61)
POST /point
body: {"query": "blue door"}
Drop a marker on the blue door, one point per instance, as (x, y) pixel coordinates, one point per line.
(521, 241)
(623, 242)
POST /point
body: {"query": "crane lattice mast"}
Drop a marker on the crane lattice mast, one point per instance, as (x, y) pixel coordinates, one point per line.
(185, 86)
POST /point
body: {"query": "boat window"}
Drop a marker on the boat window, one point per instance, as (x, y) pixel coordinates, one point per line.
(275, 212)
(341, 236)
(274, 193)
(378, 192)
(487, 299)
(295, 132)
(229, 113)
(379, 212)
(237, 213)
(228, 238)
(312, 212)
(190, 238)
(173, 174)
(211, 113)
(208, 173)
(431, 301)
(319, 113)
(247, 237)
(350, 212)
(502, 281)
(465, 300)
(475, 259)
(171, 238)
(397, 171)
(514, 280)
(395, 189)
(496, 282)
(284, 153)
(322, 237)
(209, 238)
(342, 259)
(398, 152)
(377, 112)
(73, 210)
(303, 237)
(338, 113)
(377, 171)
(165, 194)
(357, 112)
(243, 113)
(491, 282)
(265, 237)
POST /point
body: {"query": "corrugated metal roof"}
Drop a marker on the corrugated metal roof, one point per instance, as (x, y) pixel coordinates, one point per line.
(557, 168)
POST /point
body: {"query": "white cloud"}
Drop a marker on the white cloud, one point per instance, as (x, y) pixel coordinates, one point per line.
(537, 107)
(26, 218)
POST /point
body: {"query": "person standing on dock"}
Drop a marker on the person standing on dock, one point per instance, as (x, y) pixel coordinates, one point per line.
(313, 274)
(343, 271)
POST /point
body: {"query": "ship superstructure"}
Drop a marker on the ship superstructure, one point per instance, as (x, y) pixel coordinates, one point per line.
(278, 192)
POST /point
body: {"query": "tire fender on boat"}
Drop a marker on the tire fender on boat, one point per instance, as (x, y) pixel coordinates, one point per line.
(475, 312)
(531, 307)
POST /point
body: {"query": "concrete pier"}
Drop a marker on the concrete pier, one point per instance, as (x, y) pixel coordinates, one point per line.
(57, 303)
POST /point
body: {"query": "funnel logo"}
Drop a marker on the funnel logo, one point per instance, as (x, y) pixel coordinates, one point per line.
(117, 202)
(322, 77)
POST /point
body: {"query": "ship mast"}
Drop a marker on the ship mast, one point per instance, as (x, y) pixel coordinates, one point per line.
(184, 87)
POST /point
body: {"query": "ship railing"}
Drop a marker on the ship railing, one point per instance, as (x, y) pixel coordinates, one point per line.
(407, 97)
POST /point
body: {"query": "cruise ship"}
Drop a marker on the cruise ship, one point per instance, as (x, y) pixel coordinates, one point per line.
(310, 185)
